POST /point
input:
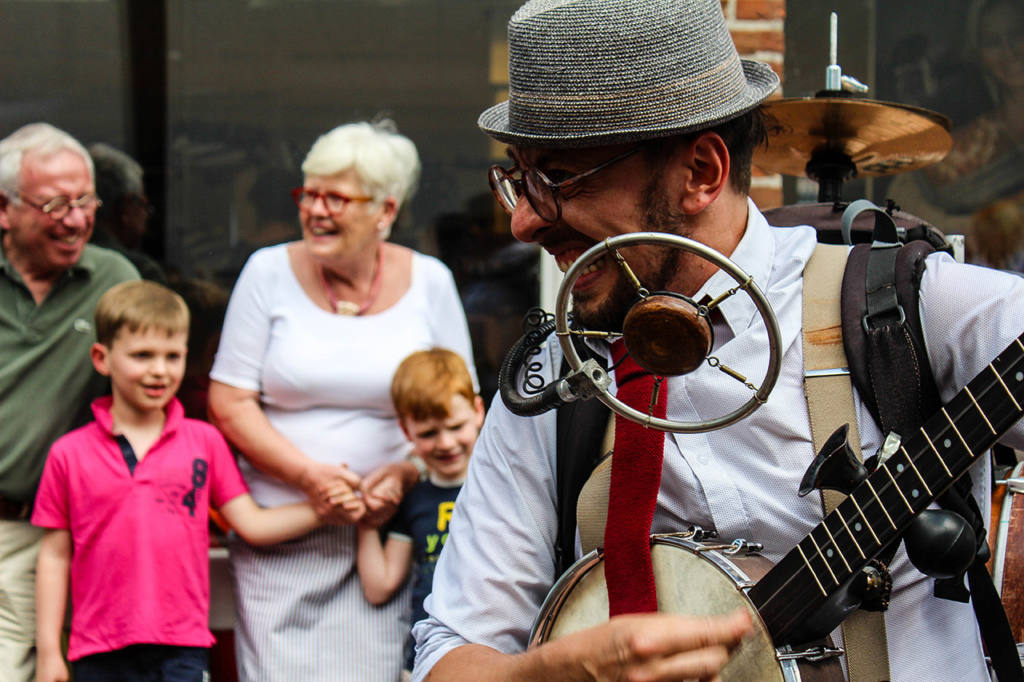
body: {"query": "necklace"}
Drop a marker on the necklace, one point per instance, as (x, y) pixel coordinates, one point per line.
(348, 307)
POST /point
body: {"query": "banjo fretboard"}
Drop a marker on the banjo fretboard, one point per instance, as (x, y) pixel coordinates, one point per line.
(880, 508)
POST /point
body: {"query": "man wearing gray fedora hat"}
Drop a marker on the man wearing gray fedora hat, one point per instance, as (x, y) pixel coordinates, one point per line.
(638, 116)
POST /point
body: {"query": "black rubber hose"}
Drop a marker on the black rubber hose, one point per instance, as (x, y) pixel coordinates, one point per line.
(546, 400)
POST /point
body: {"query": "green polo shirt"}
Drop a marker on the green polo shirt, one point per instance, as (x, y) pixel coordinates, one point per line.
(46, 377)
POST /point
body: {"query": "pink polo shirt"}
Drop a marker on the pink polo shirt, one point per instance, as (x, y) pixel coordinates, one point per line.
(140, 564)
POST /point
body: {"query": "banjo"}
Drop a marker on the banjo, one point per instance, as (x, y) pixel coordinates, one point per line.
(816, 585)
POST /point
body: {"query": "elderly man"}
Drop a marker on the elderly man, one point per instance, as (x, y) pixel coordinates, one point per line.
(50, 280)
(623, 117)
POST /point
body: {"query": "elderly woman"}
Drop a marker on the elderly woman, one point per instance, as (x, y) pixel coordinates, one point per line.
(313, 333)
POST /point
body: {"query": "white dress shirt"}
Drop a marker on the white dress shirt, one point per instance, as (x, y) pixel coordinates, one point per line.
(497, 566)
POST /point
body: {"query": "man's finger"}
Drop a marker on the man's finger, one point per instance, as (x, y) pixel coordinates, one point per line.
(686, 633)
(698, 664)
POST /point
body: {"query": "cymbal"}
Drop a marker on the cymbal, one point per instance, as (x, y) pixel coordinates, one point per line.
(878, 138)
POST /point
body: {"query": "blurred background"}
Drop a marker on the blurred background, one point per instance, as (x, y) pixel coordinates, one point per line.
(219, 100)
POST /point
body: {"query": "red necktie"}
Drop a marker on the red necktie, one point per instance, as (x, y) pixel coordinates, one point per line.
(633, 493)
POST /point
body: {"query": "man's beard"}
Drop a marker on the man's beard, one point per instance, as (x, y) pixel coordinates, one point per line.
(654, 273)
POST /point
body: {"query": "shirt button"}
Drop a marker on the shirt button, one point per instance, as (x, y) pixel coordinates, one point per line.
(703, 458)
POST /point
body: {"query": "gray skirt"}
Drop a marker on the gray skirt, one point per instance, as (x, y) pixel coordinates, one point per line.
(302, 617)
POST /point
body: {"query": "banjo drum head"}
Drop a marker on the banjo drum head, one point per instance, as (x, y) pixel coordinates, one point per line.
(688, 582)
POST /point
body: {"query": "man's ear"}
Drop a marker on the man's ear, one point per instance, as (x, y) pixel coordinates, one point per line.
(99, 354)
(707, 163)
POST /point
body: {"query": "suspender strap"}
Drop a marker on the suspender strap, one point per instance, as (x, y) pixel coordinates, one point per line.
(830, 403)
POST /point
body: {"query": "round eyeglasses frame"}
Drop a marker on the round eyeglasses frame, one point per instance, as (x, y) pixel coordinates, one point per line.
(59, 206)
(543, 194)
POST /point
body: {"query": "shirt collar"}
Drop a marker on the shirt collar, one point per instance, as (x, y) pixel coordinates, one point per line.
(445, 482)
(754, 254)
(101, 412)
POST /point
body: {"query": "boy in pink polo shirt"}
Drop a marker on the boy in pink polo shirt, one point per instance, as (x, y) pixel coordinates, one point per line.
(125, 500)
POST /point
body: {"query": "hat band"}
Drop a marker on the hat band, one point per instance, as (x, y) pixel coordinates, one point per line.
(592, 111)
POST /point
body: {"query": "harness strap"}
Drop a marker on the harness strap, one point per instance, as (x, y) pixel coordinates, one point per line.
(830, 402)
(592, 507)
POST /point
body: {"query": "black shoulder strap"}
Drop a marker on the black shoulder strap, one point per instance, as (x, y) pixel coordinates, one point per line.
(580, 431)
(882, 334)
(884, 341)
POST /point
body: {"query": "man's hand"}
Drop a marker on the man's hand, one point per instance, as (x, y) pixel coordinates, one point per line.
(331, 490)
(384, 488)
(657, 647)
(663, 646)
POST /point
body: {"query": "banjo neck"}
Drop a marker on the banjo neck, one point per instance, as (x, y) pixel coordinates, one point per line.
(880, 508)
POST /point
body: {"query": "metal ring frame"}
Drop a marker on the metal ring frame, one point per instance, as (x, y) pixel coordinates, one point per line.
(611, 246)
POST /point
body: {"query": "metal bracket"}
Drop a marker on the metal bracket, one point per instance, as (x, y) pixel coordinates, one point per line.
(734, 547)
(814, 654)
(584, 383)
(1015, 485)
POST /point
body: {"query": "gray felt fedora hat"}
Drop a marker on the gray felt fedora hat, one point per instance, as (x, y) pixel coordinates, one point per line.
(586, 73)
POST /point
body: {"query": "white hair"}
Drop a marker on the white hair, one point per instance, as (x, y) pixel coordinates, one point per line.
(39, 138)
(386, 162)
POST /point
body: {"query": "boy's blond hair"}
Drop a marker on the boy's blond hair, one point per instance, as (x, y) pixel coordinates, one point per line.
(138, 306)
(426, 381)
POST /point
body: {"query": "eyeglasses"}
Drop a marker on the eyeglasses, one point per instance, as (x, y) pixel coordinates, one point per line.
(541, 191)
(306, 199)
(58, 207)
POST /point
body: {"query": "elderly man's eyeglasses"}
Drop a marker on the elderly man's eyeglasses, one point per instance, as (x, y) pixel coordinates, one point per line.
(58, 207)
(335, 202)
(542, 192)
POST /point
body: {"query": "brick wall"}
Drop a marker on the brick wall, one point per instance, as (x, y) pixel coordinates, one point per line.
(758, 29)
